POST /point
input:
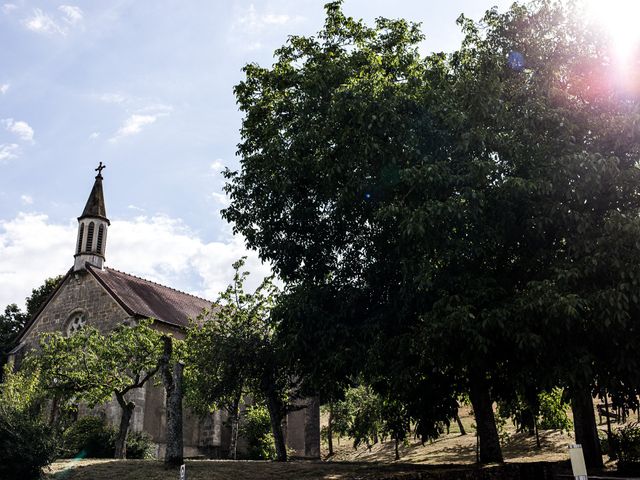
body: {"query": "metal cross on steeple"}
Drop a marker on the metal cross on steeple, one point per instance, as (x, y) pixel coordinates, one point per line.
(100, 168)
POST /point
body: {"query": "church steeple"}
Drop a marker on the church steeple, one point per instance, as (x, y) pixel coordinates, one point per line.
(92, 228)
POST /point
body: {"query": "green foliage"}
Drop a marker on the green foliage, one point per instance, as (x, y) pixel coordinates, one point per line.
(91, 367)
(13, 320)
(89, 437)
(626, 443)
(255, 428)
(455, 216)
(140, 446)
(554, 411)
(233, 350)
(21, 390)
(27, 442)
(367, 417)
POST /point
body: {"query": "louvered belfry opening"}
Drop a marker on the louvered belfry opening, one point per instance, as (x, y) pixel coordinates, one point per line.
(90, 230)
(80, 237)
(100, 238)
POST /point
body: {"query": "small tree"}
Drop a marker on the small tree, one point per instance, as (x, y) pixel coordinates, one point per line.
(13, 320)
(92, 367)
(232, 350)
(27, 442)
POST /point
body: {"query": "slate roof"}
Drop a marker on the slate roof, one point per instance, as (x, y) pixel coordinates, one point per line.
(143, 298)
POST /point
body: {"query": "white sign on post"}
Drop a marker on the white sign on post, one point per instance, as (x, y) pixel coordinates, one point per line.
(577, 462)
(183, 472)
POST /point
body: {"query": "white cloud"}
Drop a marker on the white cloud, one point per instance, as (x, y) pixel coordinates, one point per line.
(9, 7)
(71, 14)
(8, 151)
(41, 22)
(250, 25)
(4, 88)
(45, 23)
(31, 249)
(220, 198)
(251, 21)
(134, 123)
(94, 135)
(217, 165)
(112, 98)
(26, 199)
(20, 128)
(158, 248)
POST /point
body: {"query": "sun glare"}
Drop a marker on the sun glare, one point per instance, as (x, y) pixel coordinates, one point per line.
(619, 18)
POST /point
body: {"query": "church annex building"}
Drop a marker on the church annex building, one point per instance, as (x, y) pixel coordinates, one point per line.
(92, 294)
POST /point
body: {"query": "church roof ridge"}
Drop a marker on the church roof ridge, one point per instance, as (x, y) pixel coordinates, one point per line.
(158, 284)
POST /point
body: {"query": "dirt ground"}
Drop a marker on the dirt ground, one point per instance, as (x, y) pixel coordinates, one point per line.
(456, 449)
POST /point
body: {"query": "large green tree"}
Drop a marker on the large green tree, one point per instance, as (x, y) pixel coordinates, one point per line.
(470, 219)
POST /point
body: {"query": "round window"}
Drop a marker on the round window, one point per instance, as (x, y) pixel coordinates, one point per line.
(76, 322)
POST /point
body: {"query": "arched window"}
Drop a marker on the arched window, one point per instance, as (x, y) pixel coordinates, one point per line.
(80, 236)
(76, 321)
(90, 237)
(100, 238)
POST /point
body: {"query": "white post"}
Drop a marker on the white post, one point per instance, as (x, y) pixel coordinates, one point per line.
(577, 462)
(183, 472)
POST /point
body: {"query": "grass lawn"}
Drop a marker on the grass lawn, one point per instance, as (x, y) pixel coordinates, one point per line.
(246, 470)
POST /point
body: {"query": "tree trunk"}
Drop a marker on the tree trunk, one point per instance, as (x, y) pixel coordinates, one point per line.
(276, 413)
(330, 430)
(172, 380)
(397, 451)
(535, 426)
(460, 425)
(490, 451)
(611, 452)
(54, 410)
(234, 416)
(584, 421)
(123, 431)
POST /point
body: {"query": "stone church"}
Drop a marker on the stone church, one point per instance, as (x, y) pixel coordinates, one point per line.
(93, 294)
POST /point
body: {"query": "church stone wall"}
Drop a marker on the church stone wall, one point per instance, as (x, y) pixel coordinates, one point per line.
(80, 292)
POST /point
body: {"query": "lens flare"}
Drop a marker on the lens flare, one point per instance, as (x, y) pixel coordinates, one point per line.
(619, 19)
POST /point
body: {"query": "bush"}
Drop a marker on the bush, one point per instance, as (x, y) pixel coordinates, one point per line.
(625, 442)
(140, 445)
(89, 437)
(553, 411)
(27, 444)
(256, 429)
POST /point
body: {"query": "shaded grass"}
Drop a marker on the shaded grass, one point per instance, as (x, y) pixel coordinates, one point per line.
(250, 470)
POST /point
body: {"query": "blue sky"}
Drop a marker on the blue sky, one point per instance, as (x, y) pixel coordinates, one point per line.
(146, 88)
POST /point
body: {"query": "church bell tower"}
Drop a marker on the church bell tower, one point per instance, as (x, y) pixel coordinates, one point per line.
(92, 228)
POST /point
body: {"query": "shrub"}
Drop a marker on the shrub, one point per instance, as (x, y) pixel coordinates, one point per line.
(89, 437)
(553, 411)
(140, 445)
(27, 444)
(256, 429)
(625, 442)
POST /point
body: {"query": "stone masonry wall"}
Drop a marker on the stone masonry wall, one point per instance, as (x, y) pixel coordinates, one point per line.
(80, 292)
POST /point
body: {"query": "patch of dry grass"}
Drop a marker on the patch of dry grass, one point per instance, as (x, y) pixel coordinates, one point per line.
(236, 470)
